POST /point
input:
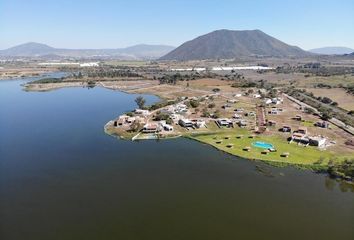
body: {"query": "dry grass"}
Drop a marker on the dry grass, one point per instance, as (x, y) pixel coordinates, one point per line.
(338, 95)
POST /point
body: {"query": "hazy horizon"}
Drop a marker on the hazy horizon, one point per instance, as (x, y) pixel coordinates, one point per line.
(119, 24)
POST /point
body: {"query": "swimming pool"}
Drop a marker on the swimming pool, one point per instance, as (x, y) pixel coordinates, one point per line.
(263, 145)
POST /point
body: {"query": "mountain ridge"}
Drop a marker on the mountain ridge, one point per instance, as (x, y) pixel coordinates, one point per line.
(140, 51)
(332, 50)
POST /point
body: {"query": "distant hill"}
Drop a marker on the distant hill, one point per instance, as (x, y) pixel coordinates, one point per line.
(332, 50)
(227, 44)
(28, 49)
(33, 49)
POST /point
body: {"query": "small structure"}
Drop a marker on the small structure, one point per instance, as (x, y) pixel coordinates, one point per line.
(232, 101)
(247, 149)
(300, 138)
(142, 112)
(118, 122)
(224, 122)
(322, 124)
(239, 110)
(180, 108)
(265, 152)
(238, 95)
(317, 141)
(166, 126)
(242, 123)
(285, 154)
(198, 123)
(267, 101)
(277, 101)
(130, 120)
(273, 111)
(271, 123)
(298, 118)
(185, 123)
(302, 130)
(237, 116)
(226, 106)
(286, 128)
(150, 128)
(256, 95)
(251, 114)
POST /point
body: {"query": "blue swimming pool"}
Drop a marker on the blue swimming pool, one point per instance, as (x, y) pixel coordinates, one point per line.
(263, 145)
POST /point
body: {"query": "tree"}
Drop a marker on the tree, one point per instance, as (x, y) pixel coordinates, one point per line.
(309, 110)
(194, 103)
(161, 116)
(140, 101)
(327, 115)
(326, 100)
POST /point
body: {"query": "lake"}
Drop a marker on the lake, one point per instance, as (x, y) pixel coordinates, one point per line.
(62, 177)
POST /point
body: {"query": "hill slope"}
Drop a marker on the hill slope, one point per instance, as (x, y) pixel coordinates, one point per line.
(332, 50)
(28, 49)
(226, 44)
(142, 51)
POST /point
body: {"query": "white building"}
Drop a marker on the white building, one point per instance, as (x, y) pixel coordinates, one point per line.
(317, 141)
(224, 122)
(185, 123)
(142, 112)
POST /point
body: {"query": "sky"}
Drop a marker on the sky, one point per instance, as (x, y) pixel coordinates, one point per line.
(113, 24)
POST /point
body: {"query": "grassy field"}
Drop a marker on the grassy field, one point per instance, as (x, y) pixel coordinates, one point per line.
(298, 154)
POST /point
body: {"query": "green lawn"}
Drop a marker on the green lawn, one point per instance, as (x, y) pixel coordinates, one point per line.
(298, 154)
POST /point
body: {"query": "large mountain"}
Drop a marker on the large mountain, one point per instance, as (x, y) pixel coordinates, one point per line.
(33, 49)
(227, 44)
(332, 50)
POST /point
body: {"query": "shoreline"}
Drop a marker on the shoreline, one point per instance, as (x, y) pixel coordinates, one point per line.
(315, 168)
(323, 166)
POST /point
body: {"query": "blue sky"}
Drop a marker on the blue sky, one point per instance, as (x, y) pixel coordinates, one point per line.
(111, 24)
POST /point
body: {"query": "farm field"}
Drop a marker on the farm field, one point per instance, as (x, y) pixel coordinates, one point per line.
(339, 95)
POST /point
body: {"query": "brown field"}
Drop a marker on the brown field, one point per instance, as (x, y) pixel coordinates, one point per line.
(338, 95)
(9, 73)
(332, 81)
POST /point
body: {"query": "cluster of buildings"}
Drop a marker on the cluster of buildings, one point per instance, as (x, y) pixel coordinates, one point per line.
(126, 121)
(275, 101)
(157, 127)
(301, 135)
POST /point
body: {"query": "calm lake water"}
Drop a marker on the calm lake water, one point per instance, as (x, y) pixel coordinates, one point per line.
(61, 178)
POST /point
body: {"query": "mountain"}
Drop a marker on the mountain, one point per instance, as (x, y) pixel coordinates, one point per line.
(28, 49)
(332, 50)
(137, 52)
(227, 44)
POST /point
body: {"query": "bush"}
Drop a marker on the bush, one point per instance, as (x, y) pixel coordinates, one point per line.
(161, 116)
(205, 113)
(194, 103)
(211, 105)
(130, 114)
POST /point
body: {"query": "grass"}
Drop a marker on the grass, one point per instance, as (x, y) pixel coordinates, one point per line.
(298, 154)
